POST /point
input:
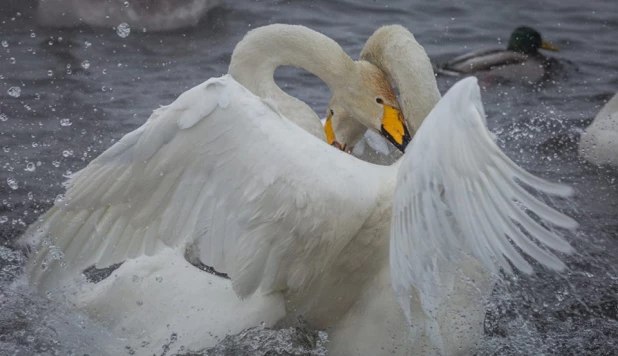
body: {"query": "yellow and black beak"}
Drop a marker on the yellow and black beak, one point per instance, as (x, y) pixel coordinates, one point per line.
(328, 130)
(549, 46)
(394, 128)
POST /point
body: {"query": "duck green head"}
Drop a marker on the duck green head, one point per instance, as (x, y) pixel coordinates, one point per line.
(528, 40)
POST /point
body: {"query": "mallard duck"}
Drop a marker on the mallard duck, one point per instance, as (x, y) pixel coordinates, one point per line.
(520, 60)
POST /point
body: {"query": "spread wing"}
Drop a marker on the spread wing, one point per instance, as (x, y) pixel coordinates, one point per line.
(263, 198)
(459, 207)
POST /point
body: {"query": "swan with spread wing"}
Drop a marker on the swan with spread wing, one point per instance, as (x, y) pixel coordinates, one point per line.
(302, 229)
(447, 241)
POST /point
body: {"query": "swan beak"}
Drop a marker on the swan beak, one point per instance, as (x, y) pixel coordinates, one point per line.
(328, 130)
(394, 128)
(549, 46)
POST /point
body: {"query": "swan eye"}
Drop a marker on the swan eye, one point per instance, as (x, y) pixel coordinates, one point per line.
(332, 112)
(379, 101)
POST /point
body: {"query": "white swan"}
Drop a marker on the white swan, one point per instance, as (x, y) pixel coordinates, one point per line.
(459, 320)
(599, 143)
(304, 225)
(394, 50)
(152, 15)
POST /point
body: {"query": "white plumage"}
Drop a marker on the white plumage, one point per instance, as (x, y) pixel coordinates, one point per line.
(152, 15)
(304, 224)
(599, 143)
(457, 201)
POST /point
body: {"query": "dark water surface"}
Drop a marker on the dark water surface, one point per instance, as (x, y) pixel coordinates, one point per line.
(82, 89)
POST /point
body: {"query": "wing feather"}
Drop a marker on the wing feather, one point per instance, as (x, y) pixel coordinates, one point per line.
(261, 196)
(459, 205)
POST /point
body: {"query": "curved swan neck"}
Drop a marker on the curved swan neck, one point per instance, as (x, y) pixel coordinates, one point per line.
(395, 50)
(262, 50)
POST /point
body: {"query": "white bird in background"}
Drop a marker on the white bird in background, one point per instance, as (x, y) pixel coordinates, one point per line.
(599, 143)
(301, 229)
(152, 15)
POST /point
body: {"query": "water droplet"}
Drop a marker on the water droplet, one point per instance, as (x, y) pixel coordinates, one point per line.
(56, 253)
(159, 279)
(14, 92)
(85, 64)
(139, 303)
(30, 167)
(50, 73)
(3, 219)
(12, 182)
(3, 117)
(123, 30)
(30, 196)
(87, 44)
(67, 153)
(5, 44)
(65, 122)
(126, 4)
(12, 60)
(33, 35)
(56, 164)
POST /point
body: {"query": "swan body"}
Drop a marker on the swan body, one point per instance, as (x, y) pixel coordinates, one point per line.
(136, 304)
(599, 143)
(152, 15)
(521, 60)
(304, 228)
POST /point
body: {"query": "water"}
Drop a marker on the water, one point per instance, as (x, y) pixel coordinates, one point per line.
(67, 94)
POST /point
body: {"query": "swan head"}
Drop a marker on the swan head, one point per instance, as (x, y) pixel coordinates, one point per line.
(373, 103)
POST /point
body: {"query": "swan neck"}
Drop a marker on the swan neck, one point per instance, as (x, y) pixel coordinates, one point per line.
(262, 50)
(395, 50)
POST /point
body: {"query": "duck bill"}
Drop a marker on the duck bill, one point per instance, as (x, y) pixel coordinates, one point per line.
(328, 130)
(394, 128)
(549, 46)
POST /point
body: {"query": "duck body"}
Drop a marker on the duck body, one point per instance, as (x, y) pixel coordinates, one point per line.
(501, 63)
(521, 60)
